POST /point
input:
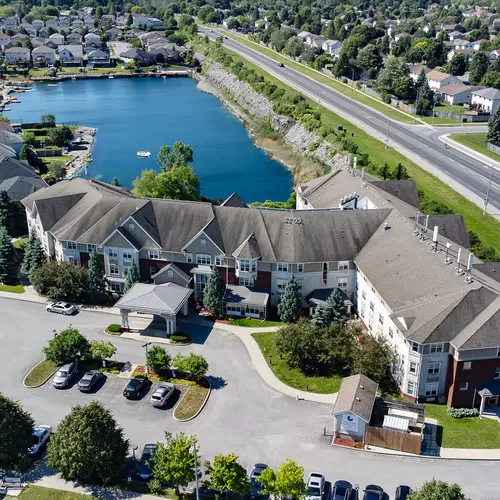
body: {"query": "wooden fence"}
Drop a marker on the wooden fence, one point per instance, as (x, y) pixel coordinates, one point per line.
(394, 440)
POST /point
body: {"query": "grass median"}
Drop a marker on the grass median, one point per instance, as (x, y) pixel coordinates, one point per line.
(191, 402)
(477, 142)
(294, 377)
(40, 373)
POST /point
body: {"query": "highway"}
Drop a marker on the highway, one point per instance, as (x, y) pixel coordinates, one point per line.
(419, 143)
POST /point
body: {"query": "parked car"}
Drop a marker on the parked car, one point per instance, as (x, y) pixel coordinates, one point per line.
(281, 65)
(64, 375)
(135, 386)
(41, 434)
(373, 492)
(255, 486)
(89, 380)
(143, 465)
(315, 486)
(162, 394)
(402, 492)
(342, 490)
(61, 308)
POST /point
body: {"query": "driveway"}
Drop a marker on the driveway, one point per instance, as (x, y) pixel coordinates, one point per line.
(120, 47)
(243, 414)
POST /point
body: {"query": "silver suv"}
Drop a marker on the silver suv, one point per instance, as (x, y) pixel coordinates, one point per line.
(162, 393)
(64, 375)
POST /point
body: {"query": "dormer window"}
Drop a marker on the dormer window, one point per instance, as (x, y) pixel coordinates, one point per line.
(203, 242)
(282, 267)
(247, 265)
(154, 254)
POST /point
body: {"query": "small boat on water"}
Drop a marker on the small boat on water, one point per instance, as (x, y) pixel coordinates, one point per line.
(7, 109)
(51, 84)
(18, 91)
(143, 154)
(87, 160)
(111, 77)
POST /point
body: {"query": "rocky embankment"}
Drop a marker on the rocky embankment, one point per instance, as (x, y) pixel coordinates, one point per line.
(216, 79)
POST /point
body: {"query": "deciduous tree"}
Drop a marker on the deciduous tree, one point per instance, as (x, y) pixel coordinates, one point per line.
(227, 474)
(438, 490)
(48, 120)
(60, 136)
(286, 482)
(88, 446)
(158, 359)
(68, 345)
(213, 293)
(179, 156)
(458, 65)
(289, 302)
(193, 364)
(102, 350)
(478, 67)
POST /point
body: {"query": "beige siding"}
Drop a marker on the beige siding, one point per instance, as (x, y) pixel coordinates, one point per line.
(196, 246)
(176, 278)
(118, 241)
(139, 235)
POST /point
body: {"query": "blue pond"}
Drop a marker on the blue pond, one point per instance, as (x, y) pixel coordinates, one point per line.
(144, 113)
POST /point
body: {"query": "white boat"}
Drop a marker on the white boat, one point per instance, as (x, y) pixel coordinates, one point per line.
(7, 109)
(51, 84)
(111, 77)
(143, 154)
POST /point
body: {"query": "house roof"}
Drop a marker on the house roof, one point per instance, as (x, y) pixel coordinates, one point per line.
(490, 269)
(11, 167)
(437, 76)
(455, 89)
(74, 49)
(234, 201)
(357, 395)
(174, 268)
(451, 227)
(17, 50)
(19, 187)
(488, 93)
(43, 49)
(249, 249)
(236, 294)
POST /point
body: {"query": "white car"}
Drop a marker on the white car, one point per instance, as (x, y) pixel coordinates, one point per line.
(162, 393)
(61, 308)
(41, 434)
(315, 486)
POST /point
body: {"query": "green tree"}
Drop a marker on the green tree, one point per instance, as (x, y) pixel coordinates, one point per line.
(179, 183)
(227, 474)
(287, 482)
(97, 278)
(158, 359)
(132, 277)
(213, 293)
(174, 460)
(129, 21)
(438, 490)
(425, 96)
(88, 446)
(48, 120)
(7, 215)
(294, 46)
(369, 59)
(29, 137)
(102, 350)
(34, 255)
(206, 14)
(400, 172)
(68, 345)
(458, 65)
(384, 171)
(289, 302)
(115, 182)
(60, 136)
(478, 67)
(179, 156)
(16, 432)
(8, 261)
(493, 134)
(194, 364)
(56, 172)
(332, 311)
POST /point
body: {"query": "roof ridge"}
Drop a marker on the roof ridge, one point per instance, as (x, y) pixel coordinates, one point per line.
(311, 190)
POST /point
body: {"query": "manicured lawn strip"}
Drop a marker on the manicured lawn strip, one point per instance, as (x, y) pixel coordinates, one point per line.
(40, 373)
(20, 242)
(12, 288)
(254, 323)
(487, 227)
(191, 403)
(41, 493)
(293, 376)
(476, 141)
(464, 432)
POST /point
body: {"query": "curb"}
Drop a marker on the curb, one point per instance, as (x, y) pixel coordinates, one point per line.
(39, 385)
(201, 406)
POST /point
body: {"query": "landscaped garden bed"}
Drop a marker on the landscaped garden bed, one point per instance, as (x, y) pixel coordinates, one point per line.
(192, 402)
(254, 323)
(348, 443)
(180, 339)
(114, 329)
(40, 373)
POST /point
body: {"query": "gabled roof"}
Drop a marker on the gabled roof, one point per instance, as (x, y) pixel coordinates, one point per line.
(19, 187)
(175, 269)
(236, 294)
(405, 190)
(357, 395)
(488, 93)
(437, 76)
(234, 201)
(249, 249)
(11, 167)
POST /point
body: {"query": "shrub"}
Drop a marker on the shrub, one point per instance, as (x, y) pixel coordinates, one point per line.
(114, 328)
(158, 359)
(155, 486)
(180, 338)
(463, 412)
(68, 345)
(194, 364)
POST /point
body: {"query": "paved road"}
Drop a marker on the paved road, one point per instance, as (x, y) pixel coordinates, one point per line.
(243, 414)
(418, 143)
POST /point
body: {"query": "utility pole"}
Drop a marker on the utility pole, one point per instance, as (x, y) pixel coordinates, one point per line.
(193, 449)
(487, 199)
(433, 108)
(146, 364)
(388, 128)
(352, 79)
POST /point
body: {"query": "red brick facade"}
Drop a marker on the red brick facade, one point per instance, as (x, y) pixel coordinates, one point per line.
(84, 259)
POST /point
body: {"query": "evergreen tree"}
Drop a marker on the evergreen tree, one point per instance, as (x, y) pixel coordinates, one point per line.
(420, 79)
(478, 68)
(115, 182)
(212, 294)
(132, 277)
(289, 302)
(494, 128)
(34, 256)
(425, 98)
(400, 172)
(6, 211)
(336, 311)
(97, 278)
(320, 316)
(8, 268)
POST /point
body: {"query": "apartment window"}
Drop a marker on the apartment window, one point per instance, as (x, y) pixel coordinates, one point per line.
(433, 368)
(342, 282)
(300, 268)
(246, 281)
(91, 248)
(114, 269)
(202, 258)
(282, 267)
(362, 311)
(467, 365)
(464, 386)
(189, 258)
(170, 274)
(247, 265)
(115, 287)
(203, 242)
(112, 253)
(411, 388)
(414, 346)
(71, 245)
(280, 285)
(127, 255)
(343, 265)
(152, 271)
(391, 332)
(372, 306)
(218, 261)
(154, 254)
(370, 323)
(363, 294)
(436, 348)
(431, 389)
(497, 373)
(381, 320)
(413, 367)
(131, 227)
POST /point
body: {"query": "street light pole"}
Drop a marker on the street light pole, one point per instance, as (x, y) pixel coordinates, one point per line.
(196, 471)
(433, 108)
(146, 364)
(388, 128)
(352, 79)
(487, 199)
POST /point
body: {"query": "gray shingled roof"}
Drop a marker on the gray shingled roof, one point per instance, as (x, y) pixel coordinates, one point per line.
(173, 267)
(488, 93)
(242, 295)
(249, 249)
(234, 201)
(11, 167)
(451, 227)
(357, 395)
(19, 187)
(490, 269)
(405, 190)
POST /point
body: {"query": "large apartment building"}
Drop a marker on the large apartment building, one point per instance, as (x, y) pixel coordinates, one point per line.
(410, 278)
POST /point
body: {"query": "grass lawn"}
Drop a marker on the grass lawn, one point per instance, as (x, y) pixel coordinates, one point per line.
(191, 403)
(487, 227)
(39, 373)
(20, 242)
(254, 323)
(464, 432)
(293, 376)
(41, 493)
(12, 288)
(476, 141)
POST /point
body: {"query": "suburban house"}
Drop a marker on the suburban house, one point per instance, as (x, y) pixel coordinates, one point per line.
(138, 56)
(456, 94)
(486, 99)
(114, 33)
(493, 55)
(88, 21)
(64, 23)
(70, 55)
(37, 24)
(438, 79)
(140, 20)
(92, 38)
(52, 23)
(17, 178)
(315, 41)
(43, 56)
(4, 39)
(98, 58)
(17, 55)
(464, 45)
(57, 38)
(332, 47)
(415, 70)
(468, 53)
(74, 39)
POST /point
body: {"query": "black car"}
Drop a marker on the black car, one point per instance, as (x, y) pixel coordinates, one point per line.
(89, 380)
(135, 386)
(342, 490)
(144, 465)
(281, 65)
(255, 486)
(402, 492)
(373, 492)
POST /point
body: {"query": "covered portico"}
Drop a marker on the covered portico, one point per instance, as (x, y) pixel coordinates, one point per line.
(164, 301)
(489, 394)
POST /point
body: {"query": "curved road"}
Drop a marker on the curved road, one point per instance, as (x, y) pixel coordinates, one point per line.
(419, 143)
